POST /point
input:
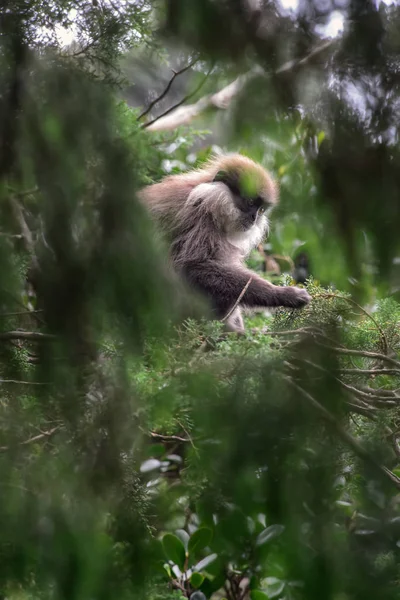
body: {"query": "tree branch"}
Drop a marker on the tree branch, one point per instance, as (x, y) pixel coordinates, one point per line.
(370, 371)
(223, 98)
(167, 438)
(167, 88)
(20, 313)
(36, 438)
(242, 293)
(354, 303)
(151, 123)
(346, 437)
(21, 382)
(364, 353)
(25, 335)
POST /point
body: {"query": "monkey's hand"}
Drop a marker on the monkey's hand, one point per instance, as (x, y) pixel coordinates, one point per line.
(294, 297)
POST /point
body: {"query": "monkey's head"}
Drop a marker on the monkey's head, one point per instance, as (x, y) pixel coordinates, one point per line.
(230, 196)
(250, 193)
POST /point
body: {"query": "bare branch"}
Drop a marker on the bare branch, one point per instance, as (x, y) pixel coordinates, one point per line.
(242, 293)
(167, 88)
(292, 65)
(24, 193)
(36, 438)
(25, 231)
(223, 98)
(20, 313)
(360, 308)
(178, 104)
(371, 371)
(368, 395)
(167, 438)
(346, 437)
(21, 382)
(364, 353)
(185, 114)
(25, 335)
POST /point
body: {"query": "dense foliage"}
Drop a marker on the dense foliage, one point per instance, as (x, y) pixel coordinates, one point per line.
(144, 454)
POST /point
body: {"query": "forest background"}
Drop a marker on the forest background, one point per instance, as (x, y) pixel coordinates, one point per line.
(141, 454)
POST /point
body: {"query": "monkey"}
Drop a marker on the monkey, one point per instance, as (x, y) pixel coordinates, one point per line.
(213, 217)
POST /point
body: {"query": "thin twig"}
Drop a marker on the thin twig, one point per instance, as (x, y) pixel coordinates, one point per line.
(189, 437)
(364, 353)
(36, 438)
(16, 300)
(354, 303)
(395, 445)
(167, 88)
(25, 231)
(20, 313)
(223, 98)
(168, 438)
(366, 395)
(178, 104)
(369, 397)
(91, 44)
(309, 330)
(370, 371)
(346, 437)
(23, 193)
(380, 391)
(25, 335)
(21, 382)
(242, 293)
(291, 65)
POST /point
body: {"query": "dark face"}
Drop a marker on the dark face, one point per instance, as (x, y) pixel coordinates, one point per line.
(250, 207)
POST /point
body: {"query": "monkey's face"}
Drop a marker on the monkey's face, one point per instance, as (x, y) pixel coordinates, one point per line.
(249, 210)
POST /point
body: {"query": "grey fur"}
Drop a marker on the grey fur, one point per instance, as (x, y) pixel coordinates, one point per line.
(210, 240)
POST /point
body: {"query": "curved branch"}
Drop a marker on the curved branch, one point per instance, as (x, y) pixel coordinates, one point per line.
(346, 437)
(151, 123)
(167, 88)
(354, 303)
(222, 99)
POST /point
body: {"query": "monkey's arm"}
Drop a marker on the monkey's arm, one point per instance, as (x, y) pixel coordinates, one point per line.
(223, 285)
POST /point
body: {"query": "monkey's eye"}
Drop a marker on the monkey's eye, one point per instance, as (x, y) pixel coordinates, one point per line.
(261, 210)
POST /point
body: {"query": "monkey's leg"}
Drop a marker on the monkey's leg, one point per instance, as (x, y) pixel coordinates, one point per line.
(223, 285)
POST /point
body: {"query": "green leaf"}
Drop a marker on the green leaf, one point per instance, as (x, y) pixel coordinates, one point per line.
(196, 580)
(167, 568)
(258, 595)
(155, 450)
(183, 536)
(269, 534)
(321, 137)
(174, 549)
(200, 539)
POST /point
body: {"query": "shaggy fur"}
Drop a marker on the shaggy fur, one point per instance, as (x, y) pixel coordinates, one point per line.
(210, 237)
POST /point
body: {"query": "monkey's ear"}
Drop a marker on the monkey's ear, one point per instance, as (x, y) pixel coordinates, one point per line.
(221, 176)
